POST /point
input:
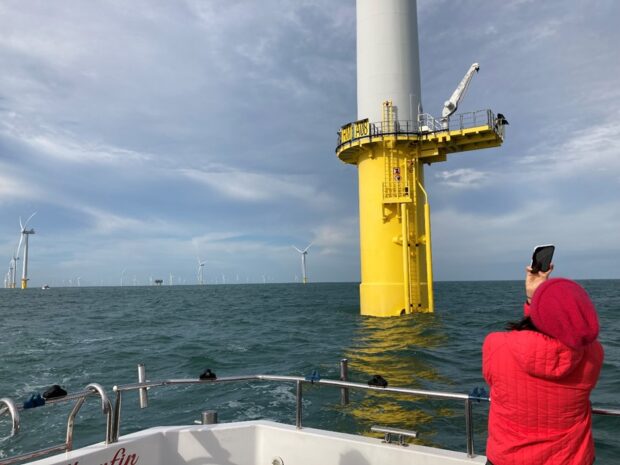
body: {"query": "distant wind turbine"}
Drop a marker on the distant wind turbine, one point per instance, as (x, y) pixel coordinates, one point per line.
(201, 270)
(25, 234)
(303, 253)
(123, 275)
(12, 274)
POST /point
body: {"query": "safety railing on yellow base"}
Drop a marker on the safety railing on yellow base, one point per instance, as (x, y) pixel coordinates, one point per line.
(426, 124)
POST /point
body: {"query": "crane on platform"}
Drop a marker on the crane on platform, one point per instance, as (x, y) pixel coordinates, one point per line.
(451, 105)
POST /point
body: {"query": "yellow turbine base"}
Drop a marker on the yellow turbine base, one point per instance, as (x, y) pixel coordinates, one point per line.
(24, 283)
(382, 299)
(395, 257)
(395, 236)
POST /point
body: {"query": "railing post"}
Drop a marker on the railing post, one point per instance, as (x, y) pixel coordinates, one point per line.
(209, 417)
(344, 376)
(299, 406)
(469, 427)
(116, 417)
(144, 398)
(10, 405)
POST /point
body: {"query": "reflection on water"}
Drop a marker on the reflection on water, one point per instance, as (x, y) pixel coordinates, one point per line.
(396, 348)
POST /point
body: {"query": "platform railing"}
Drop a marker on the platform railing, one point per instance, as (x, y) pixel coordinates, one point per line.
(425, 124)
(80, 398)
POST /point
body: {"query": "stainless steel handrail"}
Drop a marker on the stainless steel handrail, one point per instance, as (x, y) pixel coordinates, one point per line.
(81, 396)
(10, 406)
(299, 381)
(106, 409)
(609, 412)
(49, 402)
(113, 416)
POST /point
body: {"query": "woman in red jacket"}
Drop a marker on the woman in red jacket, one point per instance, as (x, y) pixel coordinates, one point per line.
(541, 373)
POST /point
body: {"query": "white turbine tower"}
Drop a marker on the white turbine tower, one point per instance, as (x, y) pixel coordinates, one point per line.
(201, 270)
(303, 253)
(25, 234)
(12, 274)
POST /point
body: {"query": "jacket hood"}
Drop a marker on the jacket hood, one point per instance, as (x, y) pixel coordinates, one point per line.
(542, 356)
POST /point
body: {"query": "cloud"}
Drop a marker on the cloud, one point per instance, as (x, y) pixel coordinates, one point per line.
(481, 243)
(14, 187)
(62, 146)
(592, 149)
(163, 128)
(106, 223)
(258, 187)
(337, 238)
(462, 178)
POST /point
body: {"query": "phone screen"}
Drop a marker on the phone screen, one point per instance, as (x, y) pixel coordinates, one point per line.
(541, 258)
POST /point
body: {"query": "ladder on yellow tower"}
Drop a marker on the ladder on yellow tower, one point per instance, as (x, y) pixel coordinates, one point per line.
(400, 197)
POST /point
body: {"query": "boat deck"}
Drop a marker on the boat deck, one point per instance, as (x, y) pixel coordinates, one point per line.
(253, 443)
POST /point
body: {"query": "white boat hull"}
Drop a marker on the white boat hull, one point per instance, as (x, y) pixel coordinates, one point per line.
(253, 443)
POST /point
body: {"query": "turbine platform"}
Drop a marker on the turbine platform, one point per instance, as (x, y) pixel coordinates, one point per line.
(427, 139)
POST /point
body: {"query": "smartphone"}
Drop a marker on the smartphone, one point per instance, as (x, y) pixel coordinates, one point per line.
(541, 258)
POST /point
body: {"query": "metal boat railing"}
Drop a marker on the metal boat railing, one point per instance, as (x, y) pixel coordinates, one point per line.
(80, 398)
(113, 416)
(343, 384)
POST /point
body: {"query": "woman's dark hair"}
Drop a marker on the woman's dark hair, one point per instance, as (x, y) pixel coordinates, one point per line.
(524, 324)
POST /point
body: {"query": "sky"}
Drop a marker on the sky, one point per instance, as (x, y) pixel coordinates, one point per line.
(150, 134)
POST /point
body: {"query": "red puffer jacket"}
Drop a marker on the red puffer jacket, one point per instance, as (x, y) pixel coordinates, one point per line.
(540, 399)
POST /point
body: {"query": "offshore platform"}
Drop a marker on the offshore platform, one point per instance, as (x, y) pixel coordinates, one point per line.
(390, 142)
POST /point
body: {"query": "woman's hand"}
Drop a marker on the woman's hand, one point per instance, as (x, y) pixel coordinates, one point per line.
(535, 279)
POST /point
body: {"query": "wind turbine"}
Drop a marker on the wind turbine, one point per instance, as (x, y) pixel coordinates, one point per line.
(303, 253)
(25, 234)
(123, 275)
(201, 270)
(12, 274)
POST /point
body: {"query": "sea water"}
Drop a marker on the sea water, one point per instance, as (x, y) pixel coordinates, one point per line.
(76, 336)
